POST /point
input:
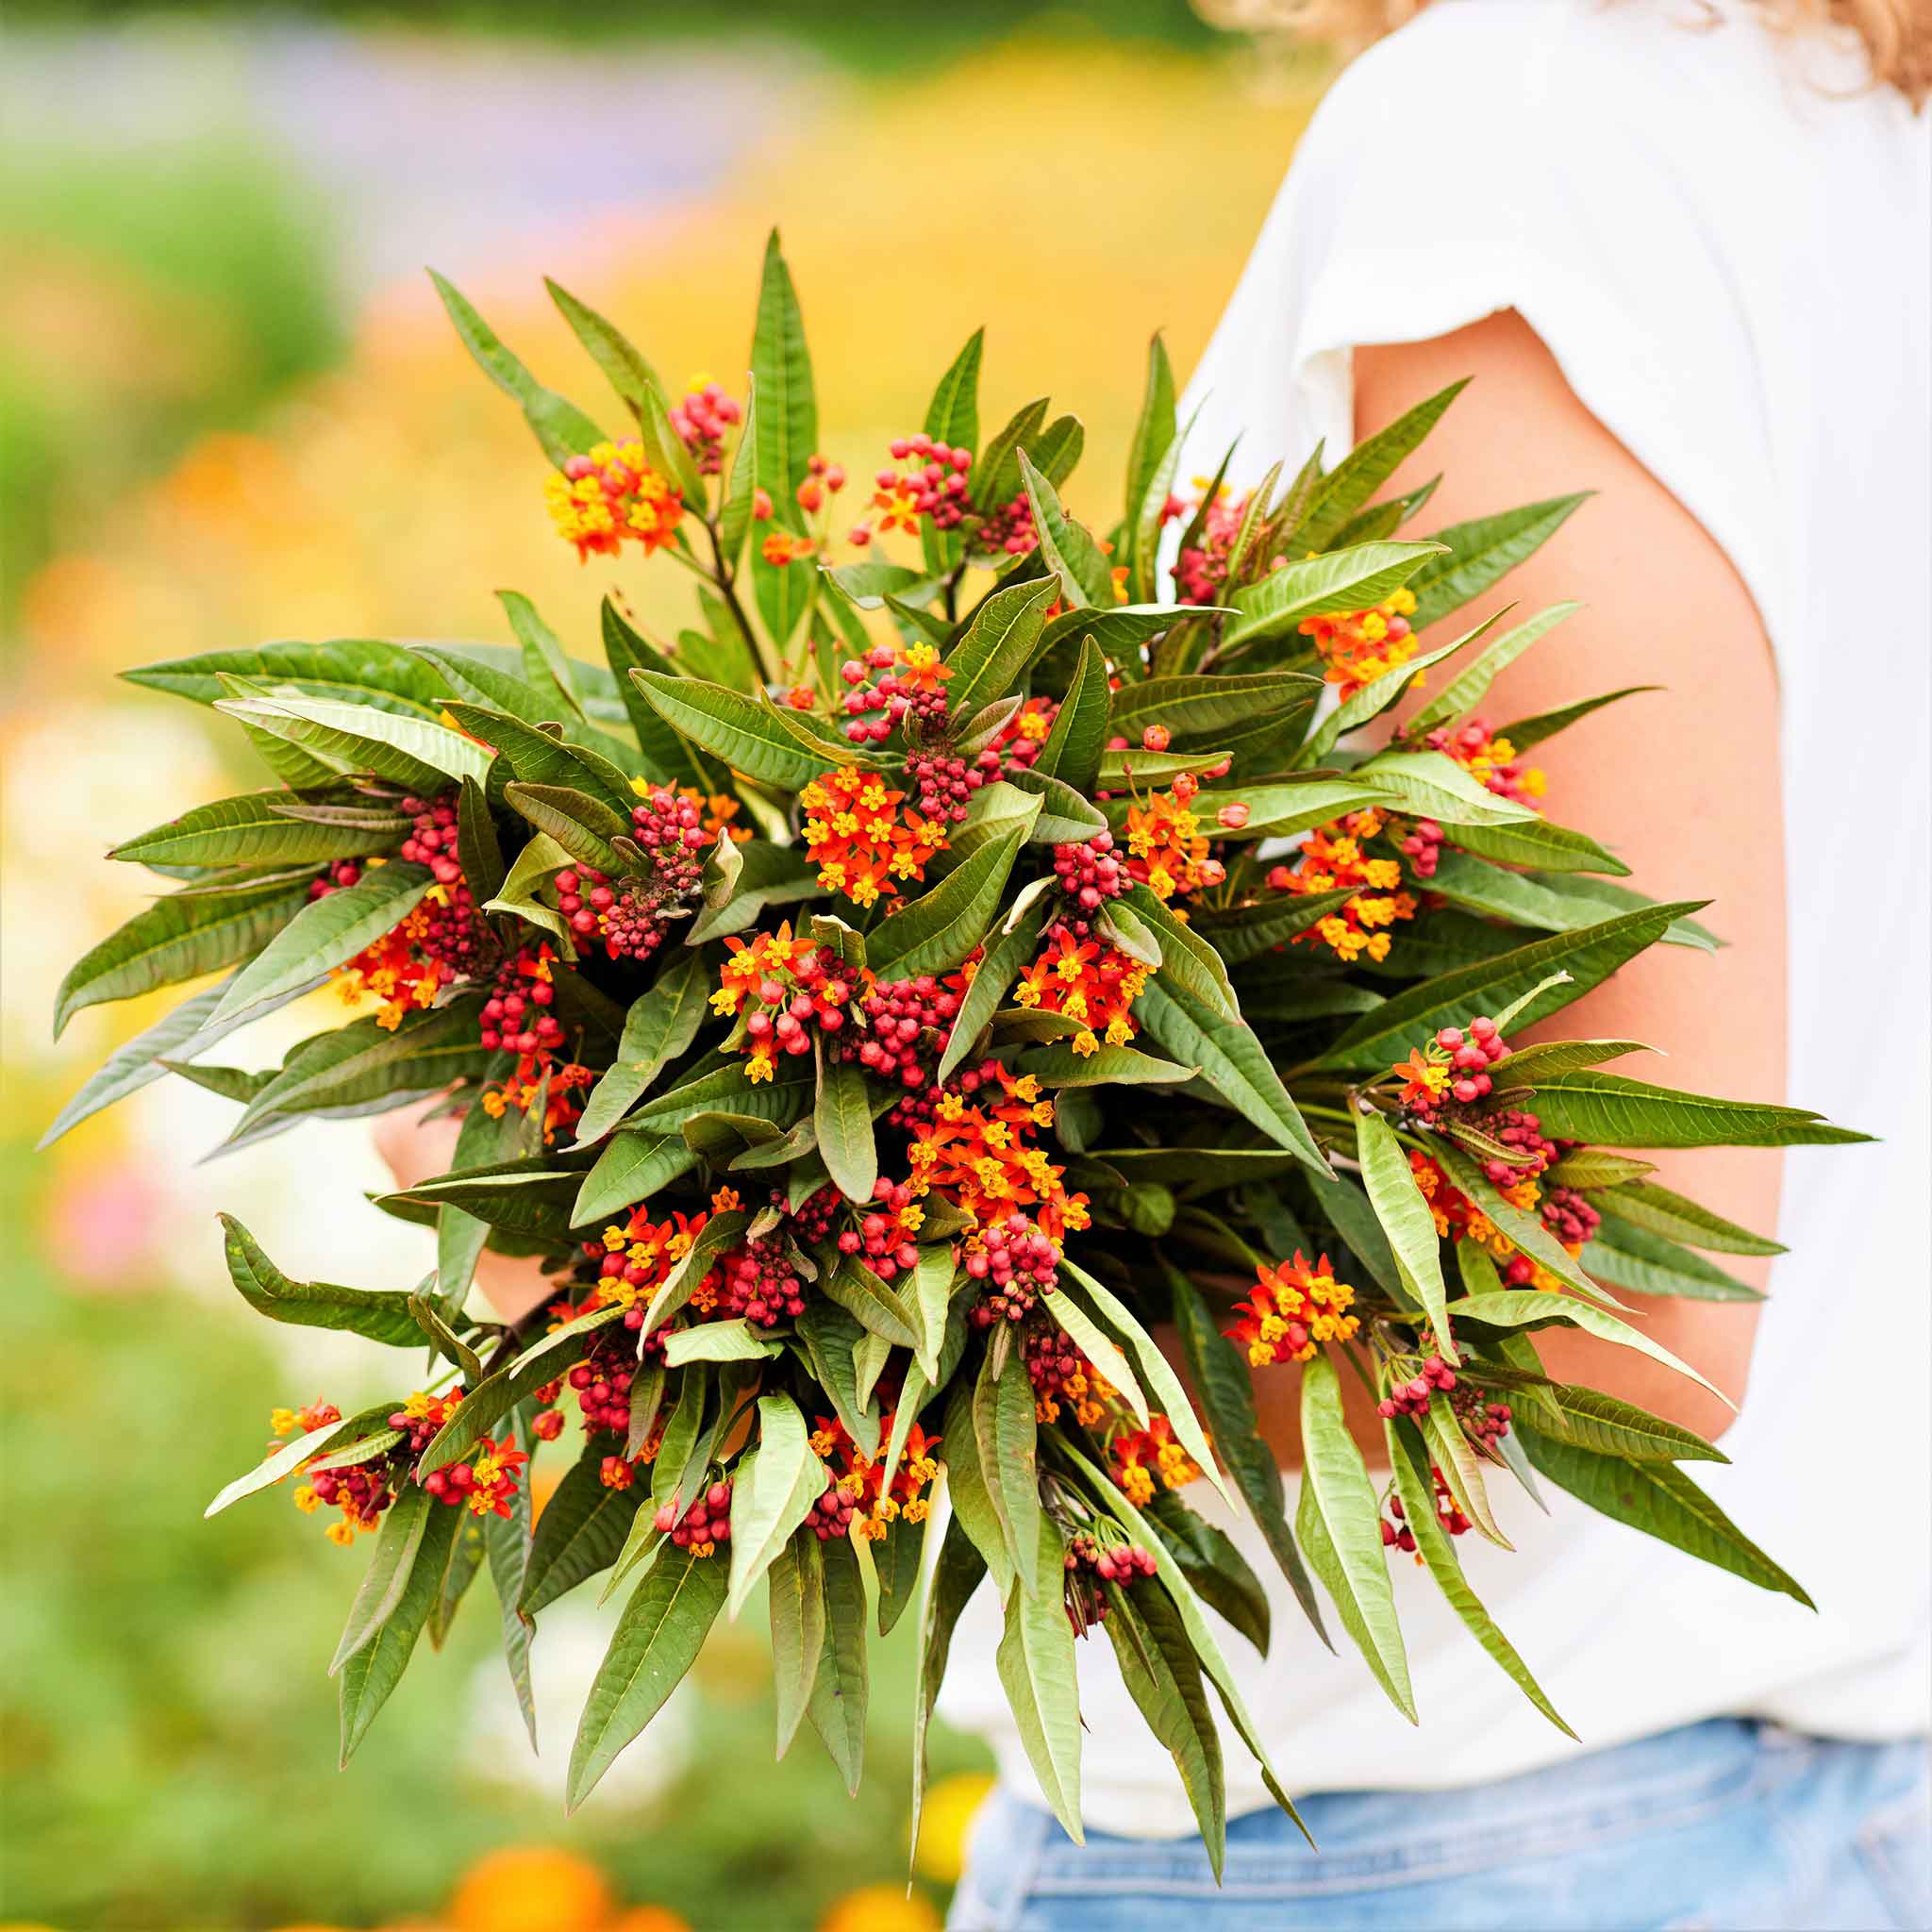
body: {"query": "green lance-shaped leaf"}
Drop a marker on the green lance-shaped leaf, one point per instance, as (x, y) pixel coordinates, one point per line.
(875, 1306)
(732, 1340)
(1005, 956)
(1433, 785)
(662, 1023)
(841, 1116)
(788, 435)
(1036, 1665)
(1588, 1168)
(382, 1586)
(997, 644)
(1363, 471)
(667, 454)
(287, 1458)
(507, 1546)
(409, 750)
(578, 1535)
(490, 1401)
(257, 829)
(933, 1276)
(532, 755)
(1092, 1341)
(1660, 1499)
(1632, 1257)
(1551, 902)
(657, 1642)
(1385, 518)
(1506, 1310)
(665, 755)
(326, 933)
(1526, 732)
(1216, 1568)
(1352, 580)
(1108, 1066)
(1338, 1525)
(1005, 1432)
(1232, 1062)
(1253, 930)
(946, 922)
(547, 667)
(635, 1163)
(839, 1691)
(1677, 1217)
(1589, 956)
(1375, 697)
(1461, 1467)
(1154, 435)
(583, 826)
(357, 671)
(795, 1597)
(374, 1315)
(1606, 1426)
(730, 725)
(1610, 1111)
(949, 1587)
(1158, 1670)
(1534, 842)
(1066, 547)
(1465, 691)
(365, 1680)
(1079, 734)
(735, 516)
(560, 428)
(772, 1494)
(143, 1058)
(953, 418)
(1407, 1219)
(719, 1234)
(1526, 1229)
(481, 681)
(1198, 706)
(479, 849)
(968, 1486)
(1409, 1462)
(1477, 553)
(179, 938)
(1188, 1606)
(1186, 960)
(623, 362)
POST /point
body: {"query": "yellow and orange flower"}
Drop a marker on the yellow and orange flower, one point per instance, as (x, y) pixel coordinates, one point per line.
(648, 1250)
(1331, 858)
(563, 1086)
(1358, 646)
(1456, 1216)
(860, 841)
(1090, 984)
(395, 971)
(1167, 849)
(980, 1157)
(1292, 1308)
(613, 495)
(1142, 1456)
(862, 1477)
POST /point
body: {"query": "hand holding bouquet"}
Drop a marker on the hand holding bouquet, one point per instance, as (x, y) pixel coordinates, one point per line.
(879, 1003)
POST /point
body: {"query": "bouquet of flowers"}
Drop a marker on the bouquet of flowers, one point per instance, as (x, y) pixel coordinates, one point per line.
(880, 1004)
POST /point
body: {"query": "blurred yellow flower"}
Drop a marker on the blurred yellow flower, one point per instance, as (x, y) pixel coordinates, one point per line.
(649, 1918)
(881, 1908)
(951, 1806)
(531, 1889)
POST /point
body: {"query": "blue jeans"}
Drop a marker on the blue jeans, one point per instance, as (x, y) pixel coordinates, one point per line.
(1724, 1825)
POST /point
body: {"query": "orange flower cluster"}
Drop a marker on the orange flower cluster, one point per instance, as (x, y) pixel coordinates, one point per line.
(1358, 646)
(1292, 1307)
(1090, 984)
(859, 840)
(395, 969)
(1458, 1218)
(1141, 1456)
(860, 1478)
(600, 500)
(1332, 858)
(639, 1256)
(289, 1421)
(1492, 761)
(1167, 849)
(494, 1470)
(787, 988)
(980, 1157)
(563, 1097)
(1090, 1392)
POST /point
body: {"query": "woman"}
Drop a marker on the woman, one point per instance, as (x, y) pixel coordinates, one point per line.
(1683, 250)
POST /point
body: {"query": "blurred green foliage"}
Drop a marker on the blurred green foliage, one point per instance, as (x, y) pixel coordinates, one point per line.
(164, 1697)
(153, 294)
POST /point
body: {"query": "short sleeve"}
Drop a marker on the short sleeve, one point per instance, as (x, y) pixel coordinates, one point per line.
(1469, 165)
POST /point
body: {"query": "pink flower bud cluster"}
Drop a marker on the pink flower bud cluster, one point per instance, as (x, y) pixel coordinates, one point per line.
(1090, 875)
(701, 417)
(1412, 1396)
(704, 1524)
(831, 1515)
(907, 1023)
(1422, 847)
(935, 486)
(917, 1109)
(880, 1240)
(362, 1491)
(1569, 1216)
(784, 1018)
(1016, 1264)
(811, 1220)
(1008, 529)
(880, 694)
(335, 877)
(1523, 1134)
(603, 1389)
(758, 1282)
(516, 1015)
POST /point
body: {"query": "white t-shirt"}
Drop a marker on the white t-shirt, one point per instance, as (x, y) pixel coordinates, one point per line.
(1733, 271)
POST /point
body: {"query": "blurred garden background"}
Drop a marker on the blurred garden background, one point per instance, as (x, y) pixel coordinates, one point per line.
(232, 411)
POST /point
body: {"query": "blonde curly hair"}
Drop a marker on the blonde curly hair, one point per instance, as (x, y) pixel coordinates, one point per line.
(1897, 34)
